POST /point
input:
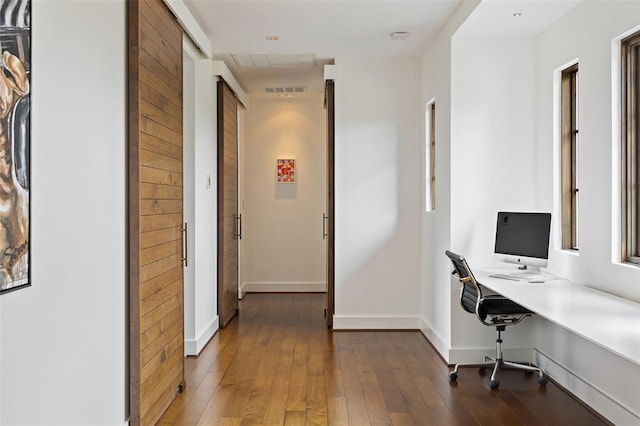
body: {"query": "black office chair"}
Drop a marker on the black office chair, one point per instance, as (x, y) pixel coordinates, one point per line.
(492, 311)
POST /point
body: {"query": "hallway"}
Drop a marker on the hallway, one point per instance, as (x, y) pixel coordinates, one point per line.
(278, 364)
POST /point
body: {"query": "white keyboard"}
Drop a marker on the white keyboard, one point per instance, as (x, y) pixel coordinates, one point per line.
(507, 277)
(525, 278)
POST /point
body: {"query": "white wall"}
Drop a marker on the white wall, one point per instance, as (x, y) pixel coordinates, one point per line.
(64, 339)
(436, 303)
(587, 33)
(242, 263)
(188, 190)
(508, 163)
(377, 189)
(282, 235)
(605, 21)
(492, 139)
(205, 178)
(492, 160)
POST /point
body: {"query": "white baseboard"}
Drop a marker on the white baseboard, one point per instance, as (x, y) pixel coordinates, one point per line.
(283, 287)
(434, 338)
(612, 410)
(471, 355)
(352, 322)
(193, 347)
(190, 348)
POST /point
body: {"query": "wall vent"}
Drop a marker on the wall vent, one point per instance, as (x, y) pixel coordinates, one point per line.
(285, 90)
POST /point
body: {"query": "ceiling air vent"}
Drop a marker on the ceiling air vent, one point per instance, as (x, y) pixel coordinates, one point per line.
(266, 60)
(285, 90)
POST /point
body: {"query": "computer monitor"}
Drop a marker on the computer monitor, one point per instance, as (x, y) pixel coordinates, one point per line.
(523, 238)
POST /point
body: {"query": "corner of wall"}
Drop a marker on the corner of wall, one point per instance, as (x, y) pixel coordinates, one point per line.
(435, 339)
(194, 347)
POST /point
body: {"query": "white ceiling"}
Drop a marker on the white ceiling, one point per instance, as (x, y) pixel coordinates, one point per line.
(495, 18)
(326, 28)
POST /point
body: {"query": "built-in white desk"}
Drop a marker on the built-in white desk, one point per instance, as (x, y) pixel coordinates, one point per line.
(606, 320)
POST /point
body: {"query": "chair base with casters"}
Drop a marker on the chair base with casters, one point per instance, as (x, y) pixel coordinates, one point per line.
(492, 311)
(497, 363)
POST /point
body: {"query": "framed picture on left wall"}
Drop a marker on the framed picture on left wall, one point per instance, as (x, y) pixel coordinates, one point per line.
(15, 141)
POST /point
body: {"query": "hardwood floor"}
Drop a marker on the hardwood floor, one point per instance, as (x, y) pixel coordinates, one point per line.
(277, 364)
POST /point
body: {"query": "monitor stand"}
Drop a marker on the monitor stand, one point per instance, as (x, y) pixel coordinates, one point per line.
(526, 271)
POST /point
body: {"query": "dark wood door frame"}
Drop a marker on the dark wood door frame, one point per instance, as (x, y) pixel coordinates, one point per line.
(330, 214)
(229, 221)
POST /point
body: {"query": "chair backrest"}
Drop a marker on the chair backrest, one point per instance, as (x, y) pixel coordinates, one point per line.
(470, 292)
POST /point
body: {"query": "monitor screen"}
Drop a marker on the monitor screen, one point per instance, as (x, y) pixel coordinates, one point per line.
(523, 237)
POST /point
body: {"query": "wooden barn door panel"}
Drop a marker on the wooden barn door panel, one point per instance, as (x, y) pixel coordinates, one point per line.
(229, 222)
(155, 210)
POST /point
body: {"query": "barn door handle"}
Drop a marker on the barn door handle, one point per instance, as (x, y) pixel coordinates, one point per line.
(237, 234)
(324, 227)
(185, 245)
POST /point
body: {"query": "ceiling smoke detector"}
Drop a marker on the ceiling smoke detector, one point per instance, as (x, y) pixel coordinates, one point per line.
(399, 35)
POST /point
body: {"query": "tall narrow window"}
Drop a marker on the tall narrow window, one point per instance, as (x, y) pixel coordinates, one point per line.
(630, 144)
(569, 123)
(431, 156)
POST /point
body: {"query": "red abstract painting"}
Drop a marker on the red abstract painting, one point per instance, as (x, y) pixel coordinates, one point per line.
(286, 171)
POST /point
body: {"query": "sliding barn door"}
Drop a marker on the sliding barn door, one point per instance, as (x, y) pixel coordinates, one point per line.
(329, 230)
(229, 222)
(156, 337)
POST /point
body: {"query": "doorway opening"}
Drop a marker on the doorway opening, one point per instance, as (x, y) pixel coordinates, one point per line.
(283, 158)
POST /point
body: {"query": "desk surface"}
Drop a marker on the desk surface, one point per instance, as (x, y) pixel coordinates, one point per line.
(606, 320)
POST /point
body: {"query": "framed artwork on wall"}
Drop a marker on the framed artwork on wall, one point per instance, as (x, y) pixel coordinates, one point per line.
(15, 140)
(285, 170)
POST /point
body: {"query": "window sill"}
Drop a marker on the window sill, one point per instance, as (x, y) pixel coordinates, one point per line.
(571, 252)
(634, 265)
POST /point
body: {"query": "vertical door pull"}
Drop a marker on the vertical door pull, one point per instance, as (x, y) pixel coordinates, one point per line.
(237, 222)
(324, 227)
(185, 245)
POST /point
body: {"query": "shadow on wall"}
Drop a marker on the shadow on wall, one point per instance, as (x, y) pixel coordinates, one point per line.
(286, 191)
(369, 207)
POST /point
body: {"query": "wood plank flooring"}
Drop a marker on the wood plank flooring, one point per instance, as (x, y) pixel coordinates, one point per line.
(277, 364)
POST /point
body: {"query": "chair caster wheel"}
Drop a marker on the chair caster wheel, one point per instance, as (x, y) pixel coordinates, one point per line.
(494, 384)
(453, 376)
(542, 381)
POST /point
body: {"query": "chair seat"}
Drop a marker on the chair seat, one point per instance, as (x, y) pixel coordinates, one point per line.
(500, 306)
